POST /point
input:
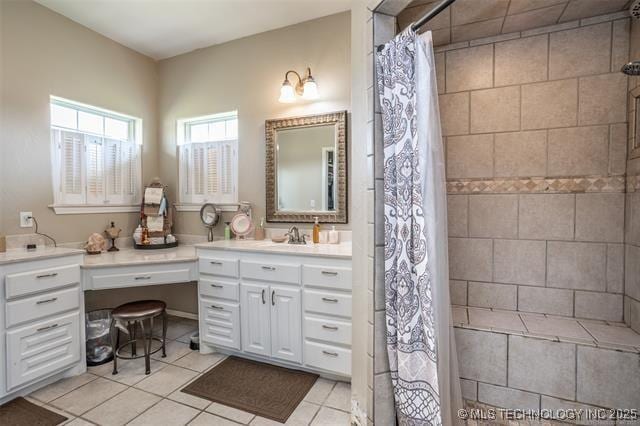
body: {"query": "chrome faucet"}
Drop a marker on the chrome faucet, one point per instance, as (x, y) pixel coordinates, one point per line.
(295, 237)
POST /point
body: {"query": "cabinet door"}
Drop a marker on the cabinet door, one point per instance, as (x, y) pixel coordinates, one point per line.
(43, 348)
(255, 318)
(286, 318)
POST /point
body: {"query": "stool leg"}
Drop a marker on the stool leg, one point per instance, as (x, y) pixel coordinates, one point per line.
(114, 333)
(164, 334)
(146, 345)
(132, 336)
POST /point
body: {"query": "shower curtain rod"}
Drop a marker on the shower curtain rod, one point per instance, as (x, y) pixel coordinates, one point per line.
(427, 17)
(431, 14)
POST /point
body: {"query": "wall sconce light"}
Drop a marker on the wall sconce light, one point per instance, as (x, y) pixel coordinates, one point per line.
(305, 87)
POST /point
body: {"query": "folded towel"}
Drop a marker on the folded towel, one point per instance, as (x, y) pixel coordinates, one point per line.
(153, 196)
(155, 223)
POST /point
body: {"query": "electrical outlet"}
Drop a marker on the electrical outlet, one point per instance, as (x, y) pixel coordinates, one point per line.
(25, 220)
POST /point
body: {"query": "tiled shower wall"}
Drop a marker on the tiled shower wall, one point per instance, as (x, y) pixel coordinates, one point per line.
(535, 133)
(632, 237)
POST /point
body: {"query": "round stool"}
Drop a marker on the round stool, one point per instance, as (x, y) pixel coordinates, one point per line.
(129, 315)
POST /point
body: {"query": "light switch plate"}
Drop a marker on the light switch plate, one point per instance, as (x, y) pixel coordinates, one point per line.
(25, 220)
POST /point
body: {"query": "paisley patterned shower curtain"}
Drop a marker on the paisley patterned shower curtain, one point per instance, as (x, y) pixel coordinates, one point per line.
(420, 343)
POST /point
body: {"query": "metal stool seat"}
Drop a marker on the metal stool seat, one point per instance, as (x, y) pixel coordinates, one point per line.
(131, 314)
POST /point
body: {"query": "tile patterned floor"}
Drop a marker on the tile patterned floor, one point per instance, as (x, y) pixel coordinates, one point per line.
(132, 398)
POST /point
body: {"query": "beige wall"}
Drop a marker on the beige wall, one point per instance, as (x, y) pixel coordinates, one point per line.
(246, 75)
(632, 223)
(44, 54)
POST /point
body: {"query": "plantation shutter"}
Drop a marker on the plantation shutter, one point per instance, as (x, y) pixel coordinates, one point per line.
(130, 171)
(212, 172)
(95, 170)
(197, 171)
(114, 171)
(71, 149)
(185, 172)
(227, 171)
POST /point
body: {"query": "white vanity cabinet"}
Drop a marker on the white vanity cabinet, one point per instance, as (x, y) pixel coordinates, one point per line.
(288, 309)
(42, 321)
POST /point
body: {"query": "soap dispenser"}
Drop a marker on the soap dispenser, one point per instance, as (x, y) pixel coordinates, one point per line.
(227, 231)
(334, 236)
(316, 231)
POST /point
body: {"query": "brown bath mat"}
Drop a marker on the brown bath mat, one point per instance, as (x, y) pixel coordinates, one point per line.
(262, 389)
(20, 412)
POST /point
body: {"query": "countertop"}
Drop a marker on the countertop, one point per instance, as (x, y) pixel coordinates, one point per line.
(130, 256)
(22, 255)
(340, 251)
(184, 253)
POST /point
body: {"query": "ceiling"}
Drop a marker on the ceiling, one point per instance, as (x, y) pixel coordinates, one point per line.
(164, 28)
(473, 19)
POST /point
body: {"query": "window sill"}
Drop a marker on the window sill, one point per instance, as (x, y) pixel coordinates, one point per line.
(232, 207)
(89, 209)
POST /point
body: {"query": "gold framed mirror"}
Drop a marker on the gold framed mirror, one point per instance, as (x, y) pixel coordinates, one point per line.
(306, 168)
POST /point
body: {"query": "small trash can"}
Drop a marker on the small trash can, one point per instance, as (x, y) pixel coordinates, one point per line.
(98, 339)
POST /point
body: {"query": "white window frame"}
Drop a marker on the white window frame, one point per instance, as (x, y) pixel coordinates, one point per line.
(82, 203)
(193, 202)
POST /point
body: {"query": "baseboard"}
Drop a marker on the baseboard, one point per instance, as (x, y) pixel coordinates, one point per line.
(182, 314)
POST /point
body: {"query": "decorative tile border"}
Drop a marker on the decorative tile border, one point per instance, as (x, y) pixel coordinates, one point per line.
(538, 185)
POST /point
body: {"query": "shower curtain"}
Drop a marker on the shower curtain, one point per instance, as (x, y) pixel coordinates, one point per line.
(420, 340)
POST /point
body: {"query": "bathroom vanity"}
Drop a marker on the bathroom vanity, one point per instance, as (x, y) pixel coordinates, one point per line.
(285, 304)
(42, 318)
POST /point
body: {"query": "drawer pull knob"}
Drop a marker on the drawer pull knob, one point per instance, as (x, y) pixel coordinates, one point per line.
(329, 327)
(333, 354)
(329, 300)
(40, 302)
(269, 268)
(51, 275)
(215, 262)
(49, 327)
(331, 273)
(146, 277)
(220, 308)
(216, 286)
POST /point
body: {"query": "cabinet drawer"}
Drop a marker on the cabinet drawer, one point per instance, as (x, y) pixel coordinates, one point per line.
(220, 323)
(326, 302)
(268, 271)
(329, 330)
(327, 357)
(24, 283)
(222, 267)
(141, 278)
(42, 349)
(327, 276)
(40, 306)
(219, 288)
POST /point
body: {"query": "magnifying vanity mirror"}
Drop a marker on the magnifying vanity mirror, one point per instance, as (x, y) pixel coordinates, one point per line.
(306, 171)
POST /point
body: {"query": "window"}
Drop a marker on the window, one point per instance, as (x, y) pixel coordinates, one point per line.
(208, 160)
(95, 157)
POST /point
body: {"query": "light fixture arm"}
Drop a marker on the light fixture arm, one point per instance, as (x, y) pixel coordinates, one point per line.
(299, 87)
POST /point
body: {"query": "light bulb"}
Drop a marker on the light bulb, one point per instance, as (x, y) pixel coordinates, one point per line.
(287, 95)
(310, 90)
